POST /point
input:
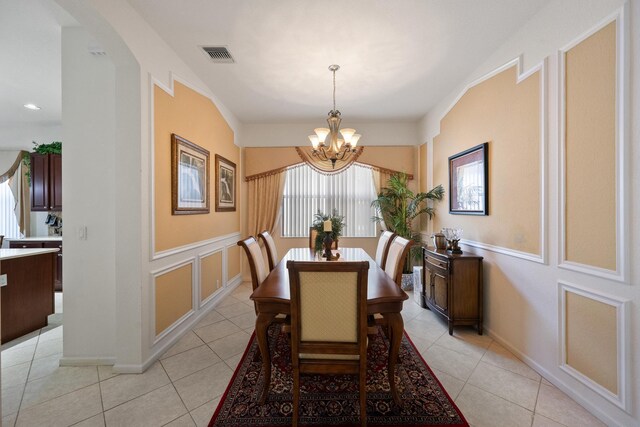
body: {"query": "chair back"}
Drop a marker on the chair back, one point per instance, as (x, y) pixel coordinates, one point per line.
(328, 304)
(270, 246)
(328, 322)
(256, 261)
(396, 257)
(313, 233)
(383, 247)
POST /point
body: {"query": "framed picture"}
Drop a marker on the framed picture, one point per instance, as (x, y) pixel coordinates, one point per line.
(225, 185)
(469, 181)
(189, 177)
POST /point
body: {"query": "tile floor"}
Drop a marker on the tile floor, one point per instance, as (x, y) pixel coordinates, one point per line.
(490, 385)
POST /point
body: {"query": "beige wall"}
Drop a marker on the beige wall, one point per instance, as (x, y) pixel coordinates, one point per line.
(590, 150)
(233, 261)
(195, 118)
(591, 330)
(210, 274)
(507, 115)
(173, 296)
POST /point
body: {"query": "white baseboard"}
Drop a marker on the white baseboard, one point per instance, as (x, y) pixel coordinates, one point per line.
(87, 361)
(595, 411)
(179, 331)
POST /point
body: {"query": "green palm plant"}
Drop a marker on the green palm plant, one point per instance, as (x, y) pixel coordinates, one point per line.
(399, 208)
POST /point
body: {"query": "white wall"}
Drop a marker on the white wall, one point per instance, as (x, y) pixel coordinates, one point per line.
(521, 297)
(19, 136)
(295, 134)
(88, 181)
(552, 27)
(139, 55)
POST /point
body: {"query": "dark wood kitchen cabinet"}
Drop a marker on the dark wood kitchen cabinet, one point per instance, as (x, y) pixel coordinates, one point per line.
(44, 244)
(46, 182)
(453, 286)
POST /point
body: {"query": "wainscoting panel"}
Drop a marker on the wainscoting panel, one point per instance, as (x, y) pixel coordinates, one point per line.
(592, 146)
(211, 278)
(593, 347)
(173, 291)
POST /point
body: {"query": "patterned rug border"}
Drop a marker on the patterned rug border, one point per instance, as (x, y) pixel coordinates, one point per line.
(250, 343)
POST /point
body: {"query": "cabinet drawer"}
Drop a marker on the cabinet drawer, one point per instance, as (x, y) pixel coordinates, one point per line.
(21, 245)
(431, 261)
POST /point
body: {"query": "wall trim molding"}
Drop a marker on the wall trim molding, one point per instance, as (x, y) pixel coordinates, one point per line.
(178, 250)
(152, 306)
(569, 391)
(168, 341)
(521, 75)
(621, 273)
(620, 399)
(504, 251)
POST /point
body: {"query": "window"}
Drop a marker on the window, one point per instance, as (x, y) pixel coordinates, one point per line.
(349, 192)
(8, 223)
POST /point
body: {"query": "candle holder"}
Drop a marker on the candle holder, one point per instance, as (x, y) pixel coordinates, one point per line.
(453, 236)
(327, 242)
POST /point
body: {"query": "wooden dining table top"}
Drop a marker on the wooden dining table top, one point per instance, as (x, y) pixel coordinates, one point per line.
(381, 288)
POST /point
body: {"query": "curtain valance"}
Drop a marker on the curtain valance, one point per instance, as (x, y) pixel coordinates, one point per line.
(260, 162)
(5, 175)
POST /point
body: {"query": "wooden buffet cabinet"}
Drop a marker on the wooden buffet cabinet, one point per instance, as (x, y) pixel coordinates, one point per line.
(453, 286)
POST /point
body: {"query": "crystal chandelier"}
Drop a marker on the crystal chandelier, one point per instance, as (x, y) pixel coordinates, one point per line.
(335, 148)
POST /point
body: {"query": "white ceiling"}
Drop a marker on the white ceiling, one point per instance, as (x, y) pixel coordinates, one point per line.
(398, 58)
(30, 62)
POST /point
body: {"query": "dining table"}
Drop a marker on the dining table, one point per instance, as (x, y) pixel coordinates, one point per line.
(384, 297)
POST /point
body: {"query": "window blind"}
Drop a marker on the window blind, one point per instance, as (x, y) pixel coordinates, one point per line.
(8, 222)
(349, 192)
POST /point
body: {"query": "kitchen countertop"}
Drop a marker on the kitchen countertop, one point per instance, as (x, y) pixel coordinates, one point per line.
(38, 239)
(18, 253)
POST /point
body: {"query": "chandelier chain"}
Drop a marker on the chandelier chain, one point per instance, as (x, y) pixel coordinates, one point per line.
(334, 90)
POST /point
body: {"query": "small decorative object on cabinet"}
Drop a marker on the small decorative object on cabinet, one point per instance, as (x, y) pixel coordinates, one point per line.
(46, 182)
(453, 286)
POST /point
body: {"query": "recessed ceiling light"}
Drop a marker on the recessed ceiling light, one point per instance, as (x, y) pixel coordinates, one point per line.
(31, 106)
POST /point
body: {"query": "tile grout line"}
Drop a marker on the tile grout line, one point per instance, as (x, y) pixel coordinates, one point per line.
(180, 397)
(24, 389)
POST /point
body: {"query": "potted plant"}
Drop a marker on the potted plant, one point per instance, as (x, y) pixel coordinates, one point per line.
(337, 224)
(399, 207)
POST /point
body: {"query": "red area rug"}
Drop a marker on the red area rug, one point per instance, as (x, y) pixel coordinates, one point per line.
(332, 400)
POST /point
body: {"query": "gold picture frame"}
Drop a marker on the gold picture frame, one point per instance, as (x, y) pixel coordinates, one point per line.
(189, 177)
(225, 185)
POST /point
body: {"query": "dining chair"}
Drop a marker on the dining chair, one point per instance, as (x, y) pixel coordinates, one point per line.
(382, 251)
(258, 269)
(396, 257)
(270, 246)
(313, 233)
(328, 323)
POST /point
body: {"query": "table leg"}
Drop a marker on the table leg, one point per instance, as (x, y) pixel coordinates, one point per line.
(396, 327)
(262, 327)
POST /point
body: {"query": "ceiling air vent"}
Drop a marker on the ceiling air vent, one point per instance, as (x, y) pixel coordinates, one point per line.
(218, 54)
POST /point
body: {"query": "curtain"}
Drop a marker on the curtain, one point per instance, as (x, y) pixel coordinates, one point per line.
(19, 185)
(264, 195)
